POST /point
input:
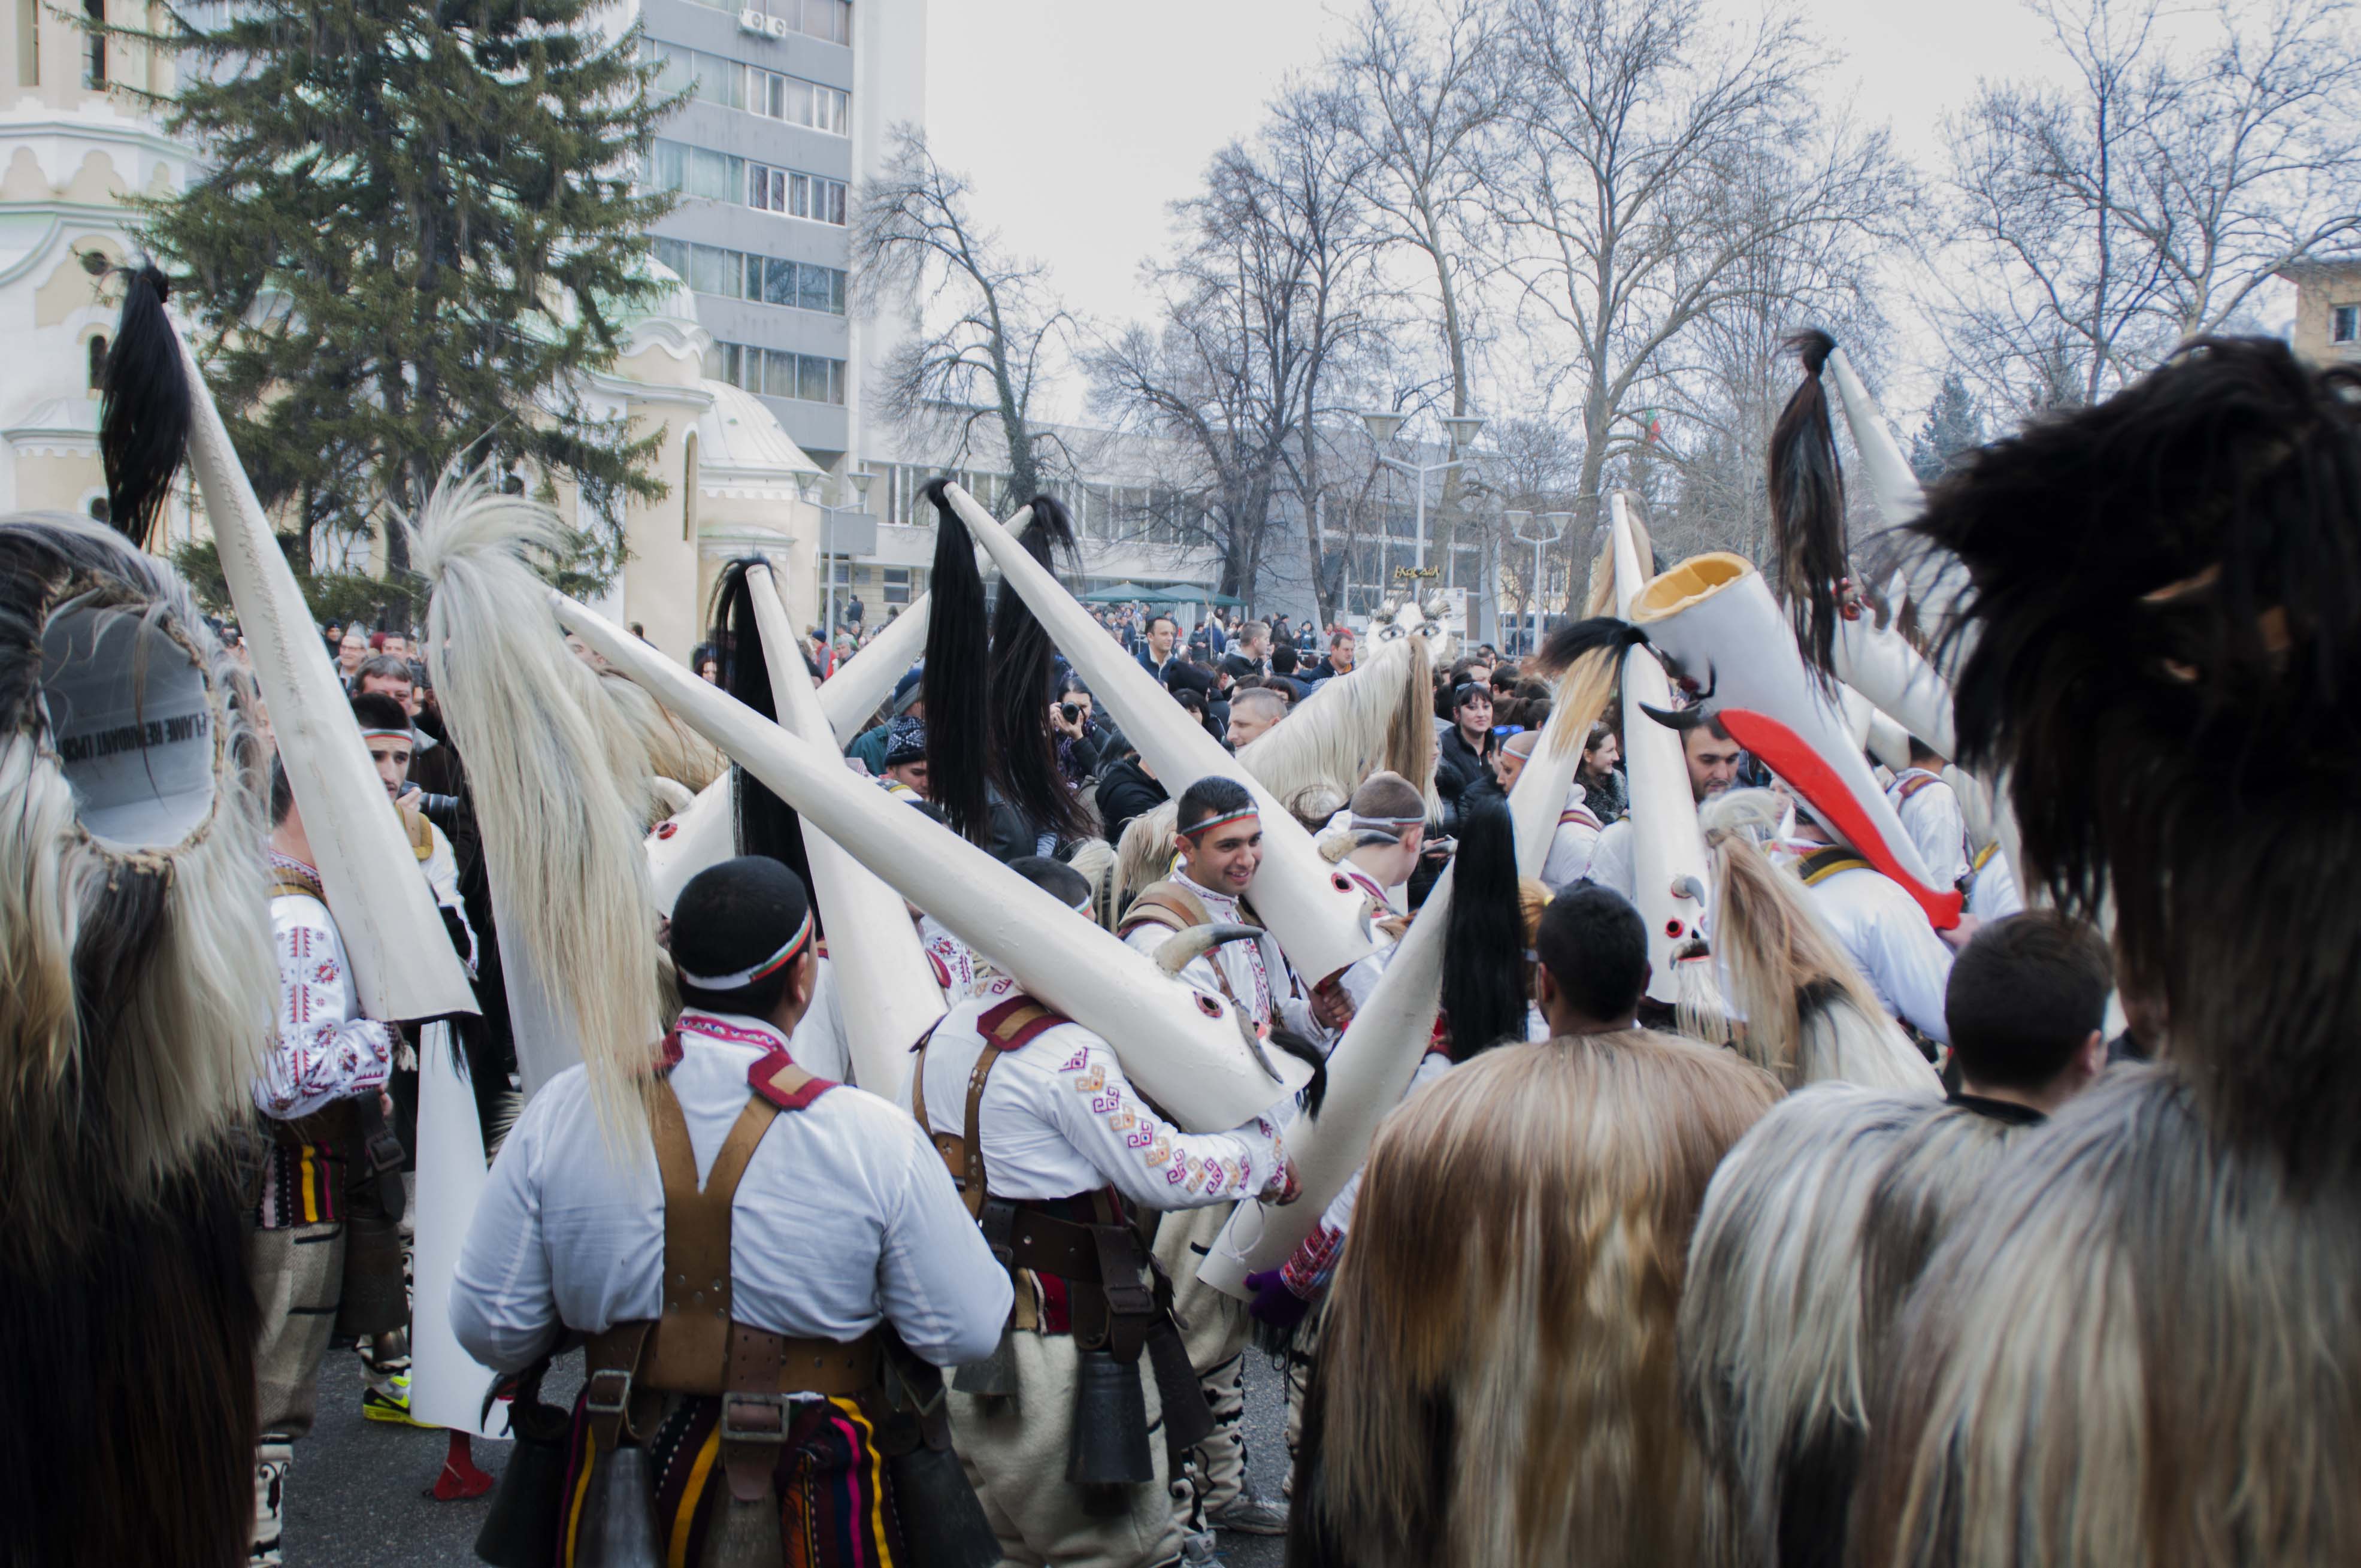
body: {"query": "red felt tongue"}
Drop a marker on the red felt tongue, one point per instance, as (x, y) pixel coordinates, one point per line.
(1806, 772)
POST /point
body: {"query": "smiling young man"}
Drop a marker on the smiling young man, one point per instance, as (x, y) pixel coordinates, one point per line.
(1218, 835)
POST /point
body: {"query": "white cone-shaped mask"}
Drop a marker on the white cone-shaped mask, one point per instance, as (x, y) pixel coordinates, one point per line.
(1315, 910)
(884, 986)
(1368, 1072)
(404, 965)
(863, 682)
(701, 836)
(1668, 864)
(1187, 1051)
(1713, 615)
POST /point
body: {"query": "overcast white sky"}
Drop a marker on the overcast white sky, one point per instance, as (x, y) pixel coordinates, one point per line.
(1079, 121)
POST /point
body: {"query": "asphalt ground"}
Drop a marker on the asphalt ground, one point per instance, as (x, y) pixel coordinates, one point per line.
(358, 1494)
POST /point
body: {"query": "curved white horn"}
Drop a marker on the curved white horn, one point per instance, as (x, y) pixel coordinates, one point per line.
(403, 966)
(1186, 947)
(690, 841)
(1181, 1047)
(1314, 910)
(883, 983)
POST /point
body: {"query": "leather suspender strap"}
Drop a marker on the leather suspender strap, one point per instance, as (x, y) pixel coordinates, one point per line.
(754, 1412)
(963, 1155)
(613, 1360)
(692, 1339)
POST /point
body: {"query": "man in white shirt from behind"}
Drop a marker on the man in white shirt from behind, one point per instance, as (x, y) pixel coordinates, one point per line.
(842, 1222)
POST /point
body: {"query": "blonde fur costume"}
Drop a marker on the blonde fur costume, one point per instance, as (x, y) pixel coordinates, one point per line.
(1808, 1015)
(1496, 1381)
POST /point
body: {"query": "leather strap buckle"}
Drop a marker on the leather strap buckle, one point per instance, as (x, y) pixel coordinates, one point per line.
(593, 1405)
(770, 1417)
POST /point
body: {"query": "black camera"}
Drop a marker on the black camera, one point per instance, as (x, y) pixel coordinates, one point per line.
(1073, 714)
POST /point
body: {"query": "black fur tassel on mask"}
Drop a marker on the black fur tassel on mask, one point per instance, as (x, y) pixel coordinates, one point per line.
(143, 421)
(1808, 509)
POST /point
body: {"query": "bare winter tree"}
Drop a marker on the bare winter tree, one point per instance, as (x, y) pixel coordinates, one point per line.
(1312, 177)
(2148, 200)
(1258, 310)
(1663, 163)
(1721, 384)
(1535, 466)
(1421, 87)
(984, 320)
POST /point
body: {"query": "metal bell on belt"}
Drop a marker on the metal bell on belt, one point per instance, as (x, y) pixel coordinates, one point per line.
(618, 1529)
(522, 1529)
(1110, 1442)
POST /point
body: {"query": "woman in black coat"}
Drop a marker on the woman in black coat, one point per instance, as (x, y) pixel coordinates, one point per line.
(1465, 756)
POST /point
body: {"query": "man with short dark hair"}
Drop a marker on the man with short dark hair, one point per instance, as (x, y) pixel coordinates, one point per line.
(1339, 661)
(1218, 833)
(1283, 676)
(1253, 645)
(2028, 1006)
(1156, 658)
(1593, 953)
(844, 1246)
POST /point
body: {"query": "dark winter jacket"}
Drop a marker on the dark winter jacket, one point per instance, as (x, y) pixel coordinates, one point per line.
(1125, 792)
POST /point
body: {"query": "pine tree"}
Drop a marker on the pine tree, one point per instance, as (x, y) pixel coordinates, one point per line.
(1954, 424)
(416, 230)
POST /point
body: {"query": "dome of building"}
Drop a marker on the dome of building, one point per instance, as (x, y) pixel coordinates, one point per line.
(739, 440)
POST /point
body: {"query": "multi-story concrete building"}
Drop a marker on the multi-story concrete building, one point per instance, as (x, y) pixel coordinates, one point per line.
(792, 104)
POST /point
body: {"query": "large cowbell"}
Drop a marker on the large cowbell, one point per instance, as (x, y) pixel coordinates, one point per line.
(1713, 618)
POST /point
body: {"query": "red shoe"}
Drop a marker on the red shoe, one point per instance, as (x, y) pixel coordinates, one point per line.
(460, 1479)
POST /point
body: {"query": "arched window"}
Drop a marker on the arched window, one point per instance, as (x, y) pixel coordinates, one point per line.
(97, 360)
(689, 489)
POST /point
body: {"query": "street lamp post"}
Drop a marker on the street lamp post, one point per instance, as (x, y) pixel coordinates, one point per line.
(1460, 429)
(1548, 530)
(810, 484)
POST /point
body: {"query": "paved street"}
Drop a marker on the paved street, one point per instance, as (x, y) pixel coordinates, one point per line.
(357, 1499)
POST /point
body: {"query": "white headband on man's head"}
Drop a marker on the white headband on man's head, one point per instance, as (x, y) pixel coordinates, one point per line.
(748, 976)
(1211, 823)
